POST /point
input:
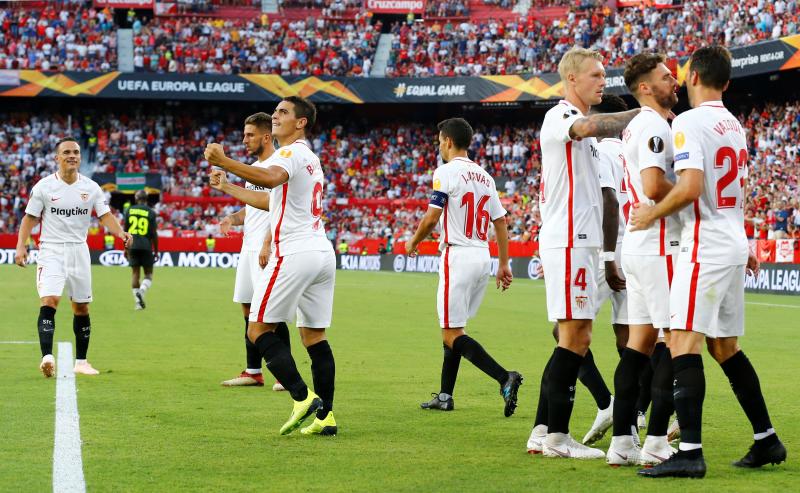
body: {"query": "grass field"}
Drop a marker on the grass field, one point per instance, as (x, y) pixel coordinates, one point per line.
(156, 419)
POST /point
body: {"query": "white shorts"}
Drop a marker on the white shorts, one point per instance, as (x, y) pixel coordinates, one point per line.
(570, 277)
(298, 286)
(619, 299)
(463, 276)
(248, 271)
(648, 279)
(708, 298)
(63, 264)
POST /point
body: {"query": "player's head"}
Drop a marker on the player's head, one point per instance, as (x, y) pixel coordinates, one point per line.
(293, 115)
(583, 75)
(611, 103)
(709, 70)
(455, 135)
(650, 81)
(68, 154)
(257, 133)
(140, 197)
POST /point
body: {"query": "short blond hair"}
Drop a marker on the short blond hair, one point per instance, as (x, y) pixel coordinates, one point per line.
(571, 61)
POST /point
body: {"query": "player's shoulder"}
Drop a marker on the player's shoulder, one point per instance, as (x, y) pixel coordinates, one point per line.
(689, 118)
(298, 148)
(563, 110)
(648, 120)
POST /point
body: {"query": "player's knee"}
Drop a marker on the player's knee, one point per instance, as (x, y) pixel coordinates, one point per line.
(449, 336)
(555, 331)
(80, 309)
(722, 349)
(51, 301)
(256, 330)
(309, 337)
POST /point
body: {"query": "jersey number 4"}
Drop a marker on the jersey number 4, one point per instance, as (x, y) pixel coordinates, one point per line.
(735, 163)
(475, 220)
(138, 225)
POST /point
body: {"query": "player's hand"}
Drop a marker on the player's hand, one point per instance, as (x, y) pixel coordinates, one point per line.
(218, 179)
(156, 256)
(214, 154)
(21, 257)
(263, 255)
(411, 249)
(641, 216)
(126, 238)
(753, 265)
(225, 225)
(614, 280)
(125, 252)
(504, 277)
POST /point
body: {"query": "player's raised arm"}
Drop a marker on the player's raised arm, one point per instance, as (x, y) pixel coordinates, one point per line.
(605, 125)
(219, 181)
(25, 228)
(266, 177)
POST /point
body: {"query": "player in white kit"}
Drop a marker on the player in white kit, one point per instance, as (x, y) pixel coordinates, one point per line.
(570, 203)
(711, 159)
(464, 200)
(64, 202)
(256, 248)
(299, 279)
(648, 259)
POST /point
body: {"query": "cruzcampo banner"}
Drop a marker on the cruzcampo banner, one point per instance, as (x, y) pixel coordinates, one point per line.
(766, 57)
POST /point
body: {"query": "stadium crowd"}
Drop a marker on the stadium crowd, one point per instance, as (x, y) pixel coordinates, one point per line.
(84, 38)
(391, 161)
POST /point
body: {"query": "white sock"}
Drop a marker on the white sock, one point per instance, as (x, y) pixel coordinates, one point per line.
(689, 446)
(134, 290)
(145, 285)
(443, 397)
(761, 436)
(80, 361)
(251, 371)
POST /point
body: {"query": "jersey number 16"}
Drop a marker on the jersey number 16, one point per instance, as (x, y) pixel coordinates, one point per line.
(479, 218)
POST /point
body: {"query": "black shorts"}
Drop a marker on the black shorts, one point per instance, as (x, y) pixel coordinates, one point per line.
(141, 258)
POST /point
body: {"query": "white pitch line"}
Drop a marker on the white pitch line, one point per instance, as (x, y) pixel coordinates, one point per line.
(67, 461)
(771, 304)
(19, 342)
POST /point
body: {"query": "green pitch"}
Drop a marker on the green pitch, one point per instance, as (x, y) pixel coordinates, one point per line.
(157, 419)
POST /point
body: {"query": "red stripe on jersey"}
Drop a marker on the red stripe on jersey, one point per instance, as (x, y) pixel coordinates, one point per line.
(669, 270)
(272, 279)
(445, 223)
(280, 220)
(662, 250)
(692, 296)
(568, 283)
(696, 230)
(570, 197)
(630, 187)
(447, 287)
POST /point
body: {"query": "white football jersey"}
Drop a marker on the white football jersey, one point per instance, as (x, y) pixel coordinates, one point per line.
(471, 203)
(66, 210)
(569, 194)
(296, 206)
(612, 175)
(256, 221)
(647, 143)
(709, 138)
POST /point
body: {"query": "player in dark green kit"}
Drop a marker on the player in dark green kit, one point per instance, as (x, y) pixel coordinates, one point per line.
(140, 222)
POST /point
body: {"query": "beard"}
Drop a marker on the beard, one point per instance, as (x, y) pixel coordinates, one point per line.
(258, 151)
(667, 101)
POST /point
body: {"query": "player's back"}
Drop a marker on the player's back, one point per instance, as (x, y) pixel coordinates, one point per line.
(711, 139)
(296, 206)
(472, 203)
(612, 171)
(140, 222)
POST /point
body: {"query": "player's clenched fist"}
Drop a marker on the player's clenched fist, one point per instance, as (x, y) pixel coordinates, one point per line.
(217, 179)
(214, 154)
(127, 239)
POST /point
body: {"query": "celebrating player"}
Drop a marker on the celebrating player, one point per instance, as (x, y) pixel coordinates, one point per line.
(298, 281)
(63, 202)
(140, 220)
(648, 258)
(570, 237)
(465, 199)
(711, 159)
(256, 249)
